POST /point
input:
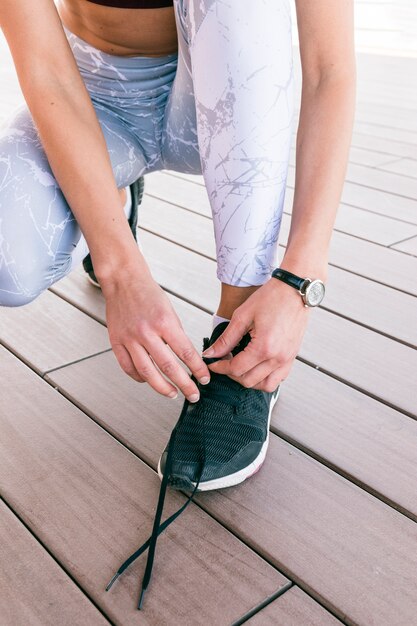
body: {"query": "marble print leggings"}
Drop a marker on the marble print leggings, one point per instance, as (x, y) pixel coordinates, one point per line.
(221, 107)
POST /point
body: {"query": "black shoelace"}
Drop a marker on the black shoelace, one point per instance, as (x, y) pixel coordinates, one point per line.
(158, 528)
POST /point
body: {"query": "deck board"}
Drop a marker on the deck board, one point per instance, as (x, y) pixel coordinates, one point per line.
(49, 333)
(293, 608)
(91, 501)
(409, 246)
(34, 589)
(405, 167)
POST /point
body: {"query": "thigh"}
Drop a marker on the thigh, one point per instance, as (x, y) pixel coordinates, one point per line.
(180, 150)
(38, 231)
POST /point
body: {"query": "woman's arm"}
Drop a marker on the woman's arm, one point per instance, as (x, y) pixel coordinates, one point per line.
(141, 321)
(68, 126)
(324, 132)
(275, 314)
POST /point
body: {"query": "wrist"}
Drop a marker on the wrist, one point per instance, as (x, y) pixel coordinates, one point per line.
(121, 267)
(305, 266)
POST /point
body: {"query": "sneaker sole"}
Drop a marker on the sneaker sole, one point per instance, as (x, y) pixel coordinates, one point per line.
(238, 477)
(93, 282)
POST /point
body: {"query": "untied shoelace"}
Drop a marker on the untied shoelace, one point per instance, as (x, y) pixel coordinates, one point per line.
(158, 528)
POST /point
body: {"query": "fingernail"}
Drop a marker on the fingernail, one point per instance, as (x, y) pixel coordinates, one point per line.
(194, 397)
(205, 380)
(173, 395)
(208, 352)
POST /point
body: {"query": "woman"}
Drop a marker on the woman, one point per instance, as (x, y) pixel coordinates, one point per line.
(117, 89)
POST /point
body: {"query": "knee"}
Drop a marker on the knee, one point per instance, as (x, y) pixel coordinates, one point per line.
(19, 285)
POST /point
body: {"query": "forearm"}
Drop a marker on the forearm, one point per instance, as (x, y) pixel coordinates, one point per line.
(323, 141)
(77, 154)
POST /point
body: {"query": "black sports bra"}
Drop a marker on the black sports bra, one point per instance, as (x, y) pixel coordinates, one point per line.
(134, 4)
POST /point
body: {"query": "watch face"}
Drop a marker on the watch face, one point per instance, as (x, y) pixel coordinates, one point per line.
(314, 293)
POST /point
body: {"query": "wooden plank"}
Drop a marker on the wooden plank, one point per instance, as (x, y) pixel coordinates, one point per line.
(381, 308)
(382, 113)
(376, 204)
(361, 156)
(386, 132)
(295, 511)
(34, 589)
(380, 144)
(373, 178)
(293, 608)
(385, 181)
(406, 167)
(378, 365)
(92, 503)
(386, 310)
(49, 332)
(409, 246)
(372, 261)
(365, 440)
(76, 289)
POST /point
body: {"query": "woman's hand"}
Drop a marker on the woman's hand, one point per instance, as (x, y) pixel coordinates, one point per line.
(143, 326)
(276, 319)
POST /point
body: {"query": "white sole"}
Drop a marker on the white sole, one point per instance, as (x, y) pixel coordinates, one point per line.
(93, 282)
(241, 475)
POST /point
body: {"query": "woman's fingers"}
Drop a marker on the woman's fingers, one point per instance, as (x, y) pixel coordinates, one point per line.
(148, 372)
(272, 381)
(125, 362)
(265, 376)
(184, 349)
(168, 364)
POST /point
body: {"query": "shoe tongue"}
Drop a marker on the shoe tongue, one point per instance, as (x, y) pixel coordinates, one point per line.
(219, 329)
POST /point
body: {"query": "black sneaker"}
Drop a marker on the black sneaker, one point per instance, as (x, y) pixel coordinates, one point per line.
(136, 190)
(228, 428)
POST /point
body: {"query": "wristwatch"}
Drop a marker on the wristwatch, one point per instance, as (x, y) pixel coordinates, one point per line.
(311, 290)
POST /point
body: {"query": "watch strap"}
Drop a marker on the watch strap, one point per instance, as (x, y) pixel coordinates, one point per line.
(289, 278)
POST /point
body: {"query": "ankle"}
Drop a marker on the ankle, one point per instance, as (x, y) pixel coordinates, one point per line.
(232, 297)
(218, 319)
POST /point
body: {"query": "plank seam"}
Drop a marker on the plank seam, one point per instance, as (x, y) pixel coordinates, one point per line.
(54, 558)
(412, 346)
(344, 474)
(289, 186)
(262, 604)
(357, 388)
(402, 241)
(84, 358)
(79, 308)
(274, 597)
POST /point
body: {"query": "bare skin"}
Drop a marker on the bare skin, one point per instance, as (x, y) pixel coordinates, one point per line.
(144, 330)
(124, 32)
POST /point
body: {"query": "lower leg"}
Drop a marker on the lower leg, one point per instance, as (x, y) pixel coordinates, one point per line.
(242, 79)
(232, 297)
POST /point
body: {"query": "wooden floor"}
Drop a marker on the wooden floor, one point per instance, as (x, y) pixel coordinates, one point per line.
(326, 532)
